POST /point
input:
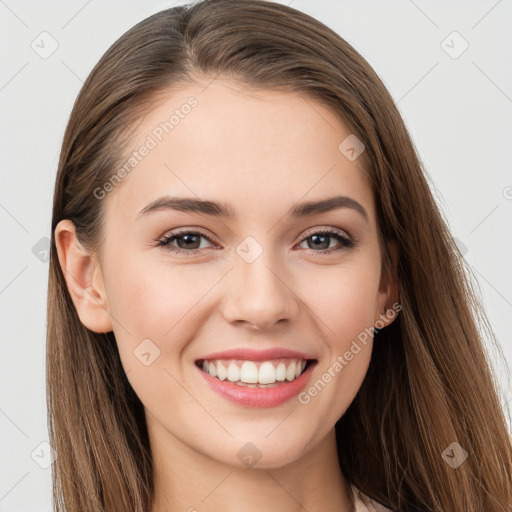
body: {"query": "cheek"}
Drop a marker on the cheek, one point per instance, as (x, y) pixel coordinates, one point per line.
(342, 299)
(156, 310)
(157, 302)
(148, 297)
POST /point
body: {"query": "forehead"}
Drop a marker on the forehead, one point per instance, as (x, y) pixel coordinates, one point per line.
(251, 148)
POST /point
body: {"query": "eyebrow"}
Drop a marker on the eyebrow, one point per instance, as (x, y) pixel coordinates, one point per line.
(224, 210)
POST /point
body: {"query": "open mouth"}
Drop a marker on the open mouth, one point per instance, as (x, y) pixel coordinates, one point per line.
(256, 374)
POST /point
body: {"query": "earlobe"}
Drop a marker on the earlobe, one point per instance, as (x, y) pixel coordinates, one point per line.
(84, 279)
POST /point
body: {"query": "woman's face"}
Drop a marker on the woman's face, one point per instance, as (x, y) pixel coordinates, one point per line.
(256, 280)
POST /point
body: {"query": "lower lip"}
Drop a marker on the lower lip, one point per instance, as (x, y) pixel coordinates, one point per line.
(259, 397)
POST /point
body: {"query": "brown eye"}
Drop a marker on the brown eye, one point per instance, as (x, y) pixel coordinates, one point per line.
(187, 242)
(321, 240)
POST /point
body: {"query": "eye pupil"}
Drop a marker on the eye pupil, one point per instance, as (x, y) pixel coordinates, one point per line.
(316, 237)
(189, 243)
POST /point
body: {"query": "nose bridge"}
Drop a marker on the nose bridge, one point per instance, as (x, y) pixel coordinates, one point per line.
(256, 292)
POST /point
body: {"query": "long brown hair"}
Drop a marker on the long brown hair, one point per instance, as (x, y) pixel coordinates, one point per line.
(430, 381)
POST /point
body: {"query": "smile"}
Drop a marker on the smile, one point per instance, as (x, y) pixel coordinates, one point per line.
(256, 383)
(254, 373)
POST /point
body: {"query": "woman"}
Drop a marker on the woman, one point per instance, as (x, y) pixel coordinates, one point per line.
(256, 370)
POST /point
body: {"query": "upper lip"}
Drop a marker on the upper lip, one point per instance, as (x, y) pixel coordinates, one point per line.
(249, 354)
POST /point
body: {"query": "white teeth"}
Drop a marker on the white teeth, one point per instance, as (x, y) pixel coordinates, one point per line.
(233, 372)
(267, 373)
(244, 385)
(222, 371)
(248, 373)
(281, 372)
(212, 369)
(290, 371)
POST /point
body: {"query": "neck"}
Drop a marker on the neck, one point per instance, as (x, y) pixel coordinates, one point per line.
(191, 481)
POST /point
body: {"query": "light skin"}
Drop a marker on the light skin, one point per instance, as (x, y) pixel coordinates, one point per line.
(262, 152)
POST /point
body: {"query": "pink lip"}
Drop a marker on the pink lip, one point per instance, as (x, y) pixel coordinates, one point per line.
(258, 397)
(249, 354)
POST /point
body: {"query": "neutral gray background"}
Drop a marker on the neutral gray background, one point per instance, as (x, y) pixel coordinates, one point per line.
(457, 106)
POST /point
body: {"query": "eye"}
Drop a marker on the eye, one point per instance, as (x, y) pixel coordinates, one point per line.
(320, 240)
(187, 242)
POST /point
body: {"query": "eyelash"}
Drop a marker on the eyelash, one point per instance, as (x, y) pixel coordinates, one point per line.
(346, 242)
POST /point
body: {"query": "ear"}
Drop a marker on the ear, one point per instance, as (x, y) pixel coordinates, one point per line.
(84, 279)
(388, 290)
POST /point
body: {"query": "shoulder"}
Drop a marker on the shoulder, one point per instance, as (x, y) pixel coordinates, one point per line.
(365, 504)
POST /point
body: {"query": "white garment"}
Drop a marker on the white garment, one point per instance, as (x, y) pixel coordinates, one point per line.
(365, 504)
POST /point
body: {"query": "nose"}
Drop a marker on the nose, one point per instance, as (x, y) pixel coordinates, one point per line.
(258, 296)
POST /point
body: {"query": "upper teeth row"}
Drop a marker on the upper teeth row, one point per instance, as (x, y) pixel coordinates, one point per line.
(249, 373)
